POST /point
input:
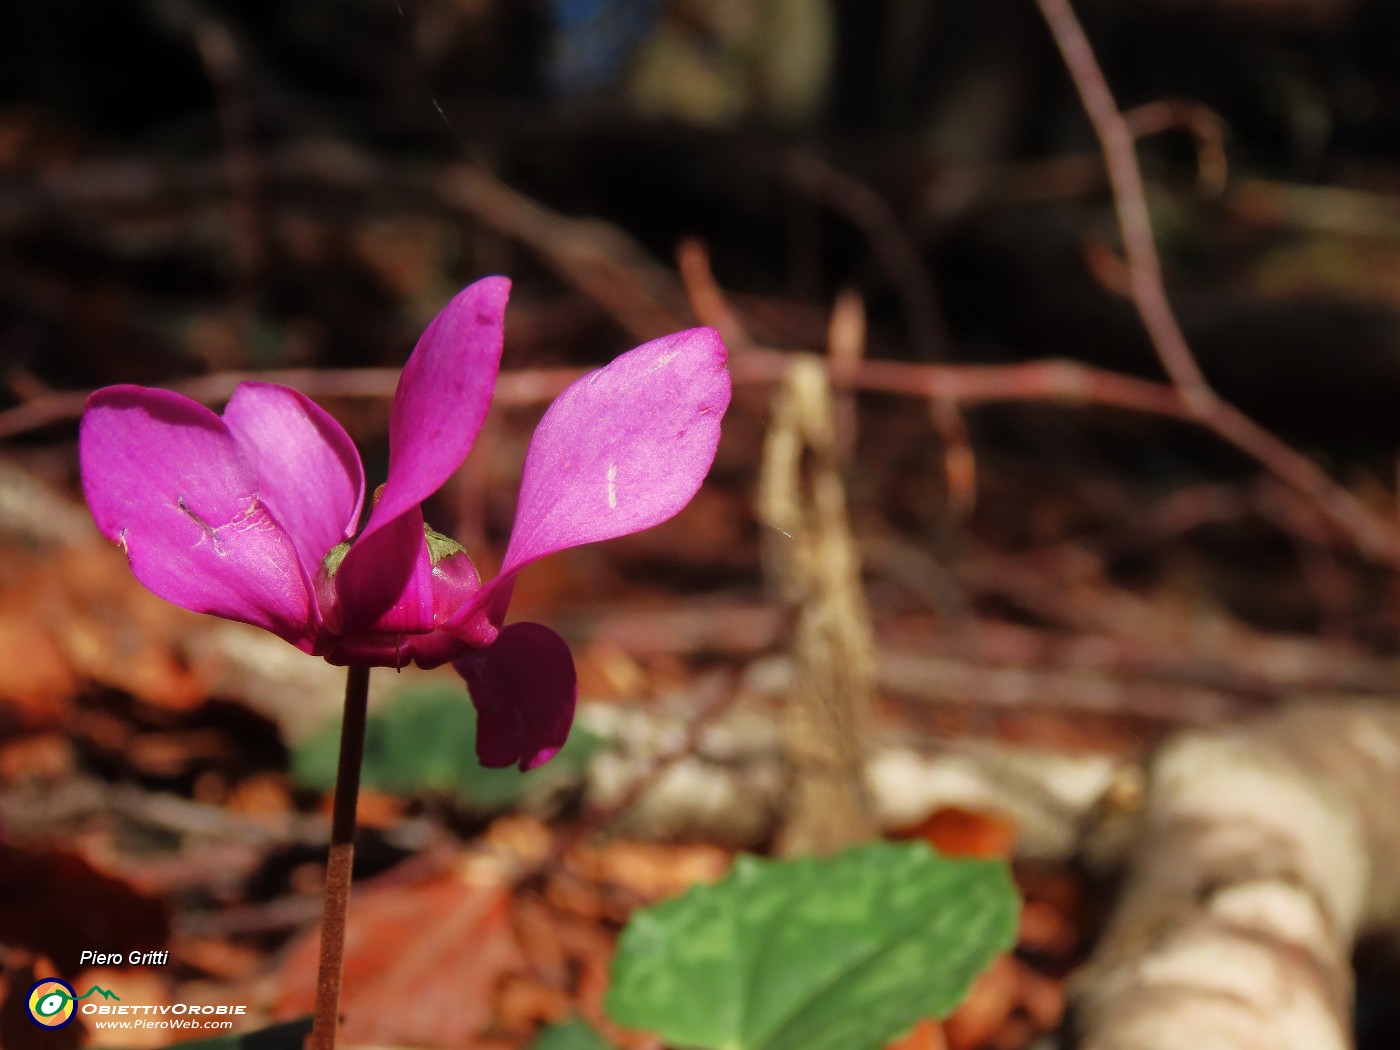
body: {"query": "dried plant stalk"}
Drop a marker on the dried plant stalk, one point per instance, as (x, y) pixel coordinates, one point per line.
(814, 565)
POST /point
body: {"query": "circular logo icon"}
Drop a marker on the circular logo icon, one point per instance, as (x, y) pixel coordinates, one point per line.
(51, 1003)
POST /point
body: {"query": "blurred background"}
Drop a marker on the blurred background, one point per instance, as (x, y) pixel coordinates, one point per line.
(200, 187)
(190, 191)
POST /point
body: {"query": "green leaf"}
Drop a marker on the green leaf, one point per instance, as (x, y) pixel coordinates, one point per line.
(288, 1036)
(571, 1035)
(423, 741)
(810, 954)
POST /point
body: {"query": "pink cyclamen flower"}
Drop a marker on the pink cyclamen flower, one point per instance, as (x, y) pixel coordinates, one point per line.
(250, 515)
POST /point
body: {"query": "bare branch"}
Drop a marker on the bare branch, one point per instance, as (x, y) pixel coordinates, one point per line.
(1376, 537)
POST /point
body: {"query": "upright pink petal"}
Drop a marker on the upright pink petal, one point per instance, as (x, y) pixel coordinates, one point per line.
(309, 473)
(443, 396)
(524, 689)
(166, 479)
(624, 448)
(441, 401)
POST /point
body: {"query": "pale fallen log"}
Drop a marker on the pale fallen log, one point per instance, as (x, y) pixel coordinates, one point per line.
(732, 785)
(1263, 851)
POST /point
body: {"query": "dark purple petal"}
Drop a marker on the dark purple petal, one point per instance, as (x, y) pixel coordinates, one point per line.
(624, 448)
(309, 474)
(399, 650)
(166, 479)
(524, 689)
(385, 583)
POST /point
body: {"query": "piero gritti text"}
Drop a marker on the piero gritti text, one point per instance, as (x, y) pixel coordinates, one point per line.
(134, 958)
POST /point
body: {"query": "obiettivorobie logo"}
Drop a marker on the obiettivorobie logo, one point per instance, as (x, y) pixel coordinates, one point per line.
(52, 1003)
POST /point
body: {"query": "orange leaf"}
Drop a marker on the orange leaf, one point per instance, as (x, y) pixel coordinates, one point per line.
(926, 1035)
(987, 1007)
(423, 960)
(958, 832)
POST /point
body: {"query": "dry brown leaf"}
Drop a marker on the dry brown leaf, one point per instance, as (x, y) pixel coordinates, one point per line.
(650, 872)
(113, 630)
(607, 671)
(1044, 928)
(987, 1007)
(373, 809)
(926, 1035)
(216, 957)
(1016, 1034)
(262, 794)
(524, 1004)
(1042, 998)
(79, 615)
(424, 960)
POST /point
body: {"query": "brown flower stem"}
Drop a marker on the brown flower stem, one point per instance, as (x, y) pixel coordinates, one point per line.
(341, 860)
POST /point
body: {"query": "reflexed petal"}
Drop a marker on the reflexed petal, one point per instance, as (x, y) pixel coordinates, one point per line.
(388, 588)
(166, 479)
(624, 448)
(524, 689)
(309, 474)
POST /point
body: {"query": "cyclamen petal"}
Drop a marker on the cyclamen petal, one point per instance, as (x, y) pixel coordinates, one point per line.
(456, 583)
(166, 479)
(443, 396)
(387, 588)
(622, 449)
(525, 690)
(308, 471)
(439, 405)
(454, 580)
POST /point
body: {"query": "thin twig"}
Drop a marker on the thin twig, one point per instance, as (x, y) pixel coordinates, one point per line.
(845, 349)
(707, 300)
(1116, 139)
(1048, 380)
(1204, 126)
